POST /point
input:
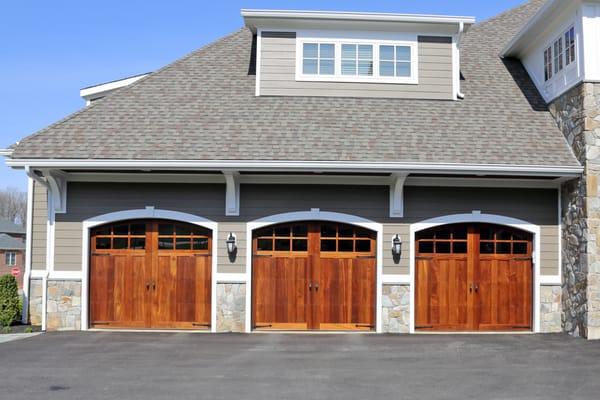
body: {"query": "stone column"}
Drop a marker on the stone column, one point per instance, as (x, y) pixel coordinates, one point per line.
(577, 113)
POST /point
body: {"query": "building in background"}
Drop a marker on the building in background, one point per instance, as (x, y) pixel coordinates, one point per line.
(12, 250)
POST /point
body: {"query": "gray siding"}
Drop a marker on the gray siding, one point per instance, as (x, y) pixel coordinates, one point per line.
(278, 74)
(86, 200)
(39, 228)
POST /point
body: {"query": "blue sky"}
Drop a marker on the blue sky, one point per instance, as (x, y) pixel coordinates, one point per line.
(51, 49)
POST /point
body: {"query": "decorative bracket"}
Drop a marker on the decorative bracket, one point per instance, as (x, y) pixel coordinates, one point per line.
(57, 188)
(397, 195)
(232, 193)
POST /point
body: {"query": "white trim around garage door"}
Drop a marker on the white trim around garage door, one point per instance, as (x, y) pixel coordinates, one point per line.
(478, 217)
(313, 215)
(146, 213)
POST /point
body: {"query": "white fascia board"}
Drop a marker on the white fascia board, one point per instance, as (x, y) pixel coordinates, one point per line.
(254, 19)
(270, 165)
(6, 152)
(93, 92)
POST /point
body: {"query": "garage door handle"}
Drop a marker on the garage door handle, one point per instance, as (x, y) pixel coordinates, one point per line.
(474, 288)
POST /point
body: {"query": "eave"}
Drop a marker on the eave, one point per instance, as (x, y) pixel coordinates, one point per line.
(301, 166)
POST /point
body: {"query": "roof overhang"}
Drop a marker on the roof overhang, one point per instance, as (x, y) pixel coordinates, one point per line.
(299, 166)
(293, 19)
(542, 21)
(95, 92)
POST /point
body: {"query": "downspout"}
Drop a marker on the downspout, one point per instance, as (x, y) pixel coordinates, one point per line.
(28, 245)
(31, 174)
(460, 33)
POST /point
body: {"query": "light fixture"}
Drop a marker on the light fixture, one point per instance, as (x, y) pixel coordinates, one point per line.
(397, 245)
(231, 243)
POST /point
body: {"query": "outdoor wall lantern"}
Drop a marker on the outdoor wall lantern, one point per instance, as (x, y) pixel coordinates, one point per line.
(231, 244)
(397, 246)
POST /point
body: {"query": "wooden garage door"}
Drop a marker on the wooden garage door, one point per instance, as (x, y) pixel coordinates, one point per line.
(313, 275)
(474, 277)
(150, 274)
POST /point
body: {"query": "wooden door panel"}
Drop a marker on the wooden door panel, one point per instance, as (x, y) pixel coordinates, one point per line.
(505, 294)
(118, 295)
(441, 293)
(182, 291)
(280, 292)
(346, 295)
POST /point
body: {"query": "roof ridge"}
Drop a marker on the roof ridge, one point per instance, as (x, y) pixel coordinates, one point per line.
(509, 11)
(94, 104)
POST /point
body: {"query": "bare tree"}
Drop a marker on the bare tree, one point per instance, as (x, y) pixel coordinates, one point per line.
(13, 205)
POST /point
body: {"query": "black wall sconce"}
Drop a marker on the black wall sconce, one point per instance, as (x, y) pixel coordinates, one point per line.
(231, 246)
(396, 248)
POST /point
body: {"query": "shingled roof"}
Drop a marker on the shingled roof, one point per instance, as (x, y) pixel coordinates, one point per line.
(203, 107)
(10, 243)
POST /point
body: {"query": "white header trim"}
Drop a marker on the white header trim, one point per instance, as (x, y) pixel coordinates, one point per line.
(268, 165)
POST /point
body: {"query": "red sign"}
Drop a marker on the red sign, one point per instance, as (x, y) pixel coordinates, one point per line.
(15, 271)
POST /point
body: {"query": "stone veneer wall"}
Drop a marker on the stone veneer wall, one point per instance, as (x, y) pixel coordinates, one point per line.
(551, 309)
(231, 303)
(577, 113)
(395, 314)
(35, 302)
(64, 305)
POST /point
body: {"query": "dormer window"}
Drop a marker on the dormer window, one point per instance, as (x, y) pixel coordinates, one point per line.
(318, 59)
(356, 60)
(560, 54)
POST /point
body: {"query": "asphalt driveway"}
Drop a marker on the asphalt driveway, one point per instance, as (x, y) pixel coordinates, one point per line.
(109, 365)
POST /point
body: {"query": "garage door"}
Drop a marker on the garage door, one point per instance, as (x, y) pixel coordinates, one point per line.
(150, 274)
(473, 277)
(313, 276)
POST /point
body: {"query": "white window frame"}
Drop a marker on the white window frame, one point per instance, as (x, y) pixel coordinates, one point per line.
(556, 74)
(8, 256)
(375, 78)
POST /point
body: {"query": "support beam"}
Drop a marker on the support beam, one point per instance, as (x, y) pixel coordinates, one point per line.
(397, 195)
(232, 194)
(57, 185)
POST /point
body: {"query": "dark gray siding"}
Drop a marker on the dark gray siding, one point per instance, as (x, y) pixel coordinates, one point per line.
(86, 200)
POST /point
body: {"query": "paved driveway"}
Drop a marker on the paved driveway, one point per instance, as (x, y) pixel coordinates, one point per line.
(176, 366)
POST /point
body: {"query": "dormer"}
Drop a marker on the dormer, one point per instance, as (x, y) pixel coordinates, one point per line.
(346, 54)
(559, 46)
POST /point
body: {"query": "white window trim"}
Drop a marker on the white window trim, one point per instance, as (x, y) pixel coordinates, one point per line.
(566, 67)
(10, 256)
(376, 78)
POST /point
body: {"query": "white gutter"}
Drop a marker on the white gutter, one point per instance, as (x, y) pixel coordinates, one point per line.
(270, 165)
(6, 152)
(356, 16)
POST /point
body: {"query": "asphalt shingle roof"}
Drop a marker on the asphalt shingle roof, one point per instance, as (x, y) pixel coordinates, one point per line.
(10, 243)
(203, 107)
(10, 227)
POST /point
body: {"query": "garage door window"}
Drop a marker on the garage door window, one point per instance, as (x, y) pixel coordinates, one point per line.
(172, 236)
(128, 236)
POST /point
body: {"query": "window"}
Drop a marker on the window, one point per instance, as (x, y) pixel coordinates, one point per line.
(11, 258)
(394, 61)
(548, 63)
(558, 55)
(570, 46)
(357, 59)
(318, 59)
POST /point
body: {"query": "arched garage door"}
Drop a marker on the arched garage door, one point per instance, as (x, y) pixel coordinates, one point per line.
(150, 274)
(313, 275)
(473, 277)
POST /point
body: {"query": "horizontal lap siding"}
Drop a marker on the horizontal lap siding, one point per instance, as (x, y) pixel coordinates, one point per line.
(87, 200)
(278, 75)
(39, 227)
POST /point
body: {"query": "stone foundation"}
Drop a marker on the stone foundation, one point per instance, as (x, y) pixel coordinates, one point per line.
(64, 306)
(395, 314)
(231, 303)
(35, 302)
(551, 309)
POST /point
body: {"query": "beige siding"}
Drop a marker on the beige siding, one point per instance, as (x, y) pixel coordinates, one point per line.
(90, 199)
(278, 76)
(39, 222)
(67, 255)
(238, 264)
